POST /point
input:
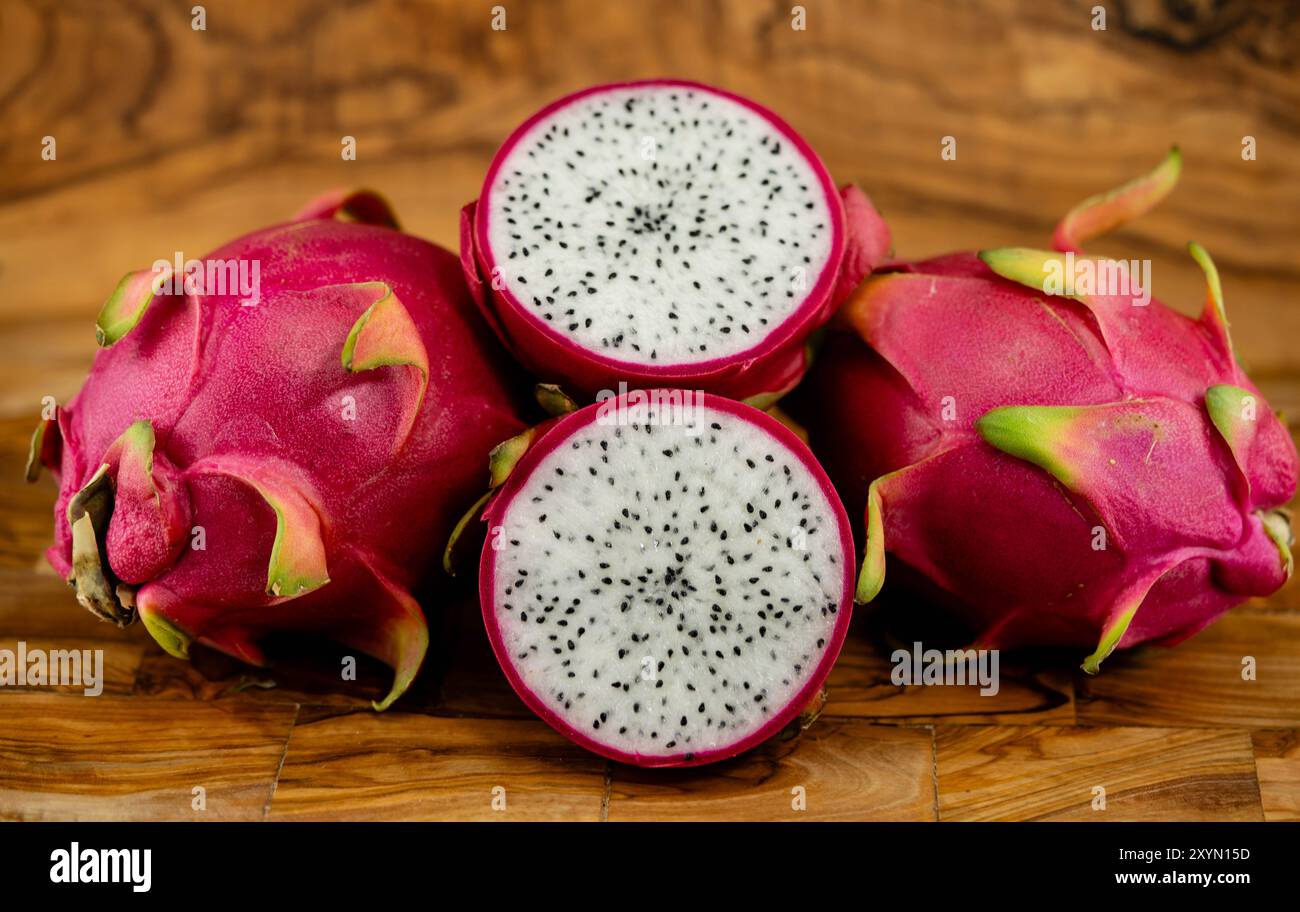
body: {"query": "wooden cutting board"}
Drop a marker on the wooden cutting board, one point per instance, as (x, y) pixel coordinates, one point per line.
(173, 139)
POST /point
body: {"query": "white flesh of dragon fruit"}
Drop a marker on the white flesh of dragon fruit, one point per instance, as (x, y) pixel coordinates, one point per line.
(660, 223)
(667, 594)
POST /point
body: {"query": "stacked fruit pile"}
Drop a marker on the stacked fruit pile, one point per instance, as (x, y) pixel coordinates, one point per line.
(666, 573)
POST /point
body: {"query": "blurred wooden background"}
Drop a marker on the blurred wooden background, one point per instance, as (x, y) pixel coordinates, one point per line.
(173, 139)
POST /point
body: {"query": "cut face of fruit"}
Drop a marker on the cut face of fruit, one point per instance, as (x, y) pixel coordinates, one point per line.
(669, 587)
(659, 224)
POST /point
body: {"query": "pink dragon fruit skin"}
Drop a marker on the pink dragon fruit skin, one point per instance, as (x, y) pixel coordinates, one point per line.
(1068, 469)
(760, 374)
(319, 445)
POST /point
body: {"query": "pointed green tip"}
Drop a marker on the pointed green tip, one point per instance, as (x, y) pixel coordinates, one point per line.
(297, 565)
(450, 559)
(1166, 174)
(871, 578)
(764, 401)
(1034, 433)
(1214, 286)
(1042, 270)
(506, 455)
(35, 449)
(1215, 314)
(412, 643)
(1105, 211)
(127, 304)
(384, 335)
(138, 440)
(350, 343)
(1277, 526)
(553, 400)
(1110, 638)
(174, 641)
(1231, 411)
(354, 335)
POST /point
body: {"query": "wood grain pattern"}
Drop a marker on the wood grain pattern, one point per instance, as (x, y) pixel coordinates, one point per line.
(36, 603)
(119, 758)
(243, 121)
(170, 139)
(1040, 773)
(839, 769)
(115, 666)
(32, 611)
(27, 522)
(1200, 682)
(460, 675)
(1277, 763)
(308, 677)
(860, 687)
(363, 766)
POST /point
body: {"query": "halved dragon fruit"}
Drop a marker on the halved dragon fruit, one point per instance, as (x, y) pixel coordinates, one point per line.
(291, 461)
(663, 233)
(667, 577)
(1064, 459)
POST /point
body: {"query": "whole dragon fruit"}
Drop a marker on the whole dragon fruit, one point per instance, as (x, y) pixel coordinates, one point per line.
(663, 233)
(288, 462)
(1065, 460)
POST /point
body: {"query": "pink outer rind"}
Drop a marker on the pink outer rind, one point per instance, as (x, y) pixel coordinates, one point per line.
(560, 432)
(549, 353)
(874, 411)
(265, 383)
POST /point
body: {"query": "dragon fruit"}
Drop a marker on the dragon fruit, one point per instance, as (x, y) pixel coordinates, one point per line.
(663, 233)
(668, 576)
(1077, 468)
(228, 470)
